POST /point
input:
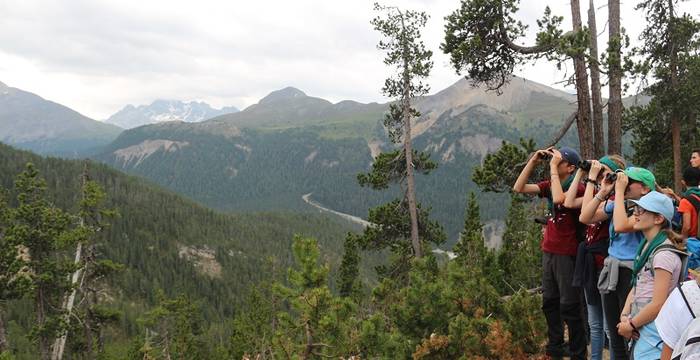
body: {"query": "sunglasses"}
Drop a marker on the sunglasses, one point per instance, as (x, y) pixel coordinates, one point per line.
(639, 211)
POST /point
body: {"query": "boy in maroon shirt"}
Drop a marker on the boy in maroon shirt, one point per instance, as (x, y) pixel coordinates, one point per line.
(561, 302)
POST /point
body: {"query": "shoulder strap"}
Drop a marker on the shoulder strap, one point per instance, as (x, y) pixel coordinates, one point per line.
(690, 291)
(681, 254)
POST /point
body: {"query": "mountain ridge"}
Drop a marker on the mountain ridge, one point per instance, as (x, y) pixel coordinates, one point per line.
(162, 110)
(31, 122)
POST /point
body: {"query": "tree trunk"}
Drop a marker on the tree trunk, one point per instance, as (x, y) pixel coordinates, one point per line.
(675, 118)
(60, 343)
(411, 191)
(44, 347)
(615, 78)
(583, 123)
(596, 97)
(4, 344)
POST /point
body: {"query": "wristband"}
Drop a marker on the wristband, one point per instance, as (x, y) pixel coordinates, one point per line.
(632, 325)
(590, 181)
(597, 197)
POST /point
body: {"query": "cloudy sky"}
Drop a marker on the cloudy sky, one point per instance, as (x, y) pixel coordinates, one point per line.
(96, 56)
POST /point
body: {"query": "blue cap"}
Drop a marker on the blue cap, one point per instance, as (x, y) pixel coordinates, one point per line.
(658, 203)
(570, 155)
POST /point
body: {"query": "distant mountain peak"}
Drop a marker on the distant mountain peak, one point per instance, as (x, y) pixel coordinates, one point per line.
(163, 110)
(283, 94)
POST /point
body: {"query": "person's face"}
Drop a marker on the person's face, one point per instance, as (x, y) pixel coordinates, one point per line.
(604, 171)
(644, 220)
(635, 190)
(695, 160)
(565, 168)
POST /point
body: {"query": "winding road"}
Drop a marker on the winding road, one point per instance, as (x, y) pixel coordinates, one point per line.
(358, 220)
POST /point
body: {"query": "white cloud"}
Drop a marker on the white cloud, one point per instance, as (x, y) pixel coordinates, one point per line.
(97, 56)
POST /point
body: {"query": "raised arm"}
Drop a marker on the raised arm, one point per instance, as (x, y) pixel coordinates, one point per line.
(593, 208)
(521, 185)
(572, 201)
(622, 222)
(555, 185)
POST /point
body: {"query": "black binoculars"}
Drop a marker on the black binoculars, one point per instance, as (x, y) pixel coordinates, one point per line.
(585, 165)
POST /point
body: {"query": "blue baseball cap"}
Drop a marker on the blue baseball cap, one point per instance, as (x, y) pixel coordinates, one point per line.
(570, 155)
(657, 202)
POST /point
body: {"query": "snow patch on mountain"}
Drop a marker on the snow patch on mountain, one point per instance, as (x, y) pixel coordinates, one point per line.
(166, 110)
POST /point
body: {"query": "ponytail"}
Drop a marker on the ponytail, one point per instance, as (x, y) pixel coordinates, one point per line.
(676, 239)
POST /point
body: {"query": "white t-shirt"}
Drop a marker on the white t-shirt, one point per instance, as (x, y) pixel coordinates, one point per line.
(673, 319)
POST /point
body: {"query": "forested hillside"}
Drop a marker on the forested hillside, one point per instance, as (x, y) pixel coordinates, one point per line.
(172, 244)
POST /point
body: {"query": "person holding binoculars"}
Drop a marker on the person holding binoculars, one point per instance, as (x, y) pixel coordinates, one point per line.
(560, 300)
(594, 249)
(615, 279)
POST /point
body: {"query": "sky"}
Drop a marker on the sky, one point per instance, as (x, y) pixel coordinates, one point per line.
(97, 56)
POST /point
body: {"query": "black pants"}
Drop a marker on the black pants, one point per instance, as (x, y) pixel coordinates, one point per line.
(561, 303)
(613, 303)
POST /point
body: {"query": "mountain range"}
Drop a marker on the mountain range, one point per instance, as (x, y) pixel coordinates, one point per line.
(166, 110)
(290, 144)
(31, 122)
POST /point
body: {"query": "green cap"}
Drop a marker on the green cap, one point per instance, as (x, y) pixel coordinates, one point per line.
(642, 175)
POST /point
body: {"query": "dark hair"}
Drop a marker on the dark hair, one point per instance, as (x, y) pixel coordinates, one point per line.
(691, 176)
(696, 151)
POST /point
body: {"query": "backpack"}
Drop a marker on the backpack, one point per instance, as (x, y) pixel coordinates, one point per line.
(682, 254)
(693, 244)
(688, 346)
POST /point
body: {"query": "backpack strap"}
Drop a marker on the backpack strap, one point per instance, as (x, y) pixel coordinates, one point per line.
(690, 291)
(695, 201)
(682, 254)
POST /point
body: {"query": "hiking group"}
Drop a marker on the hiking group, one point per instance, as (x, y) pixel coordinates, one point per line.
(617, 242)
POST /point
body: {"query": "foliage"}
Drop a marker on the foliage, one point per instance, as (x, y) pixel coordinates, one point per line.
(668, 67)
(470, 248)
(499, 170)
(519, 259)
(348, 281)
(317, 323)
(174, 330)
(480, 39)
(39, 232)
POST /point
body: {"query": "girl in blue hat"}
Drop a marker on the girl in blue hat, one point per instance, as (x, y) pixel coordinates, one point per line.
(657, 269)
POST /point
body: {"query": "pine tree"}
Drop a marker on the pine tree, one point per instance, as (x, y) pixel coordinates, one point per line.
(91, 273)
(41, 231)
(10, 270)
(519, 257)
(174, 330)
(668, 55)
(480, 35)
(499, 170)
(406, 52)
(348, 282)
(318, 323)
(470, 249)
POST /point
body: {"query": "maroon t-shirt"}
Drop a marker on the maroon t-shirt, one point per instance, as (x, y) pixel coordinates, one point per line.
(560, 232)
